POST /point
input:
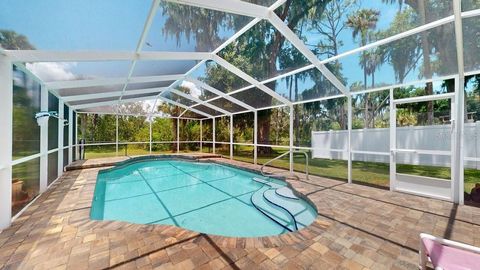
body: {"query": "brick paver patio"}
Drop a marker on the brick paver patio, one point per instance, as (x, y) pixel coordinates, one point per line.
(358, 227)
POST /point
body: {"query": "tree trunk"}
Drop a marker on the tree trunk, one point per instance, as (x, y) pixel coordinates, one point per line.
(174, 132)
(264, 117)
(373, 109)
(427, 70)
(367, 96)
(83, 125)
(296, 119)
(366, 110)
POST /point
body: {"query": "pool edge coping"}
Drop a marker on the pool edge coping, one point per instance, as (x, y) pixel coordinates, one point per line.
(290, 238)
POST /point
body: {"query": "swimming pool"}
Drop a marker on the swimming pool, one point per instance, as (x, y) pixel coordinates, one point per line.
(199, 196)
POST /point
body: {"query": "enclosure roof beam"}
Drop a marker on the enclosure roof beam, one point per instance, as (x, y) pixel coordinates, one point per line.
(302, 48)
(156, 90)
(55, 85)
(141, 41)
(223, 45)
(183, 106)
(198, 101)
(110, 102)
(220, 93)
(98, 56)
(235, 7)
(222, 62)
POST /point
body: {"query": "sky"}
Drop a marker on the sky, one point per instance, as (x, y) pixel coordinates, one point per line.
(108, 25)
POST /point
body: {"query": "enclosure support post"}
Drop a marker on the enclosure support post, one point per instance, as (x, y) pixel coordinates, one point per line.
(213, 135)
(291, 138)
(349, 139)
(150, 136)
(70, 134)
(60, 138)
(76, 136)
(393, 141)
(116, 134)
(255, 136)
(43, 141)
(458, 160)
(6, 122)
(201, 135)
(178, 135)
(231, 136)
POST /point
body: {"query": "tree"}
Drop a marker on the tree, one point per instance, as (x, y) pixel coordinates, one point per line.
(172, 110)
(330, 25)
(11, 40)
(403, 54)
(265, 59)
(438, 39)
(362, 23)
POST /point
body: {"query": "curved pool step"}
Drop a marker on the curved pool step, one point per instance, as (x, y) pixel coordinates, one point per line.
(266, 182)
(303, 214)
(274, 212)
(286, 192)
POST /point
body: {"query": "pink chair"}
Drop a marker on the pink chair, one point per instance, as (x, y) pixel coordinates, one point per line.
(447, 254)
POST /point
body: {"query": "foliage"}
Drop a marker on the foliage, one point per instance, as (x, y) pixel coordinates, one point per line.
(11, 40)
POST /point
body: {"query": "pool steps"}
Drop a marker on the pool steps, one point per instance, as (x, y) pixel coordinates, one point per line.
(275, 213)
(268, 183)
(286, 192)
(280, 204)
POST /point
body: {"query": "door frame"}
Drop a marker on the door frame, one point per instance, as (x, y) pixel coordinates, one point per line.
(394, 150)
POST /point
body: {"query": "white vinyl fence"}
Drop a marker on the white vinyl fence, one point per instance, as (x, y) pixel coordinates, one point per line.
(373, 145)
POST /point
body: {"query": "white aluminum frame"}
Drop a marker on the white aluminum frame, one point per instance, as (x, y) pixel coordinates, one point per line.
(43, 141)
(60, 146)
(454, 181)
(258, 13)
(6, 140)
(56, 85)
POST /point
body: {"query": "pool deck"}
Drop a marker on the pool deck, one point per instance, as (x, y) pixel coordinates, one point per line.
(358, 227)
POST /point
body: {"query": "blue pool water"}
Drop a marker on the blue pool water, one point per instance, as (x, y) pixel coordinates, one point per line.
(203, 197)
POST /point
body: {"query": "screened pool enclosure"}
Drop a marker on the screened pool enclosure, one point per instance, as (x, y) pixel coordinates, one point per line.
(384, 93)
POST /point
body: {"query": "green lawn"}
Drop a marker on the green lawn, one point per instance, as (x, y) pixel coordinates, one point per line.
(369, 173)
(132, 150)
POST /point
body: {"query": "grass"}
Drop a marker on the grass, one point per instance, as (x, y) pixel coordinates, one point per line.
(369, 173)
(132, 150)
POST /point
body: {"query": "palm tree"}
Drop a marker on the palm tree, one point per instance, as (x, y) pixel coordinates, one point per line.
(363, 22)
(421, 10)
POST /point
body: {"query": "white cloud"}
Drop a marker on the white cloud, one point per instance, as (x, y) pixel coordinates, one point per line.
(49, 71)
(194, 91)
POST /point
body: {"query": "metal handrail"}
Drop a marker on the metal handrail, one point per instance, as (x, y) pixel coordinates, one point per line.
(282, 155)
